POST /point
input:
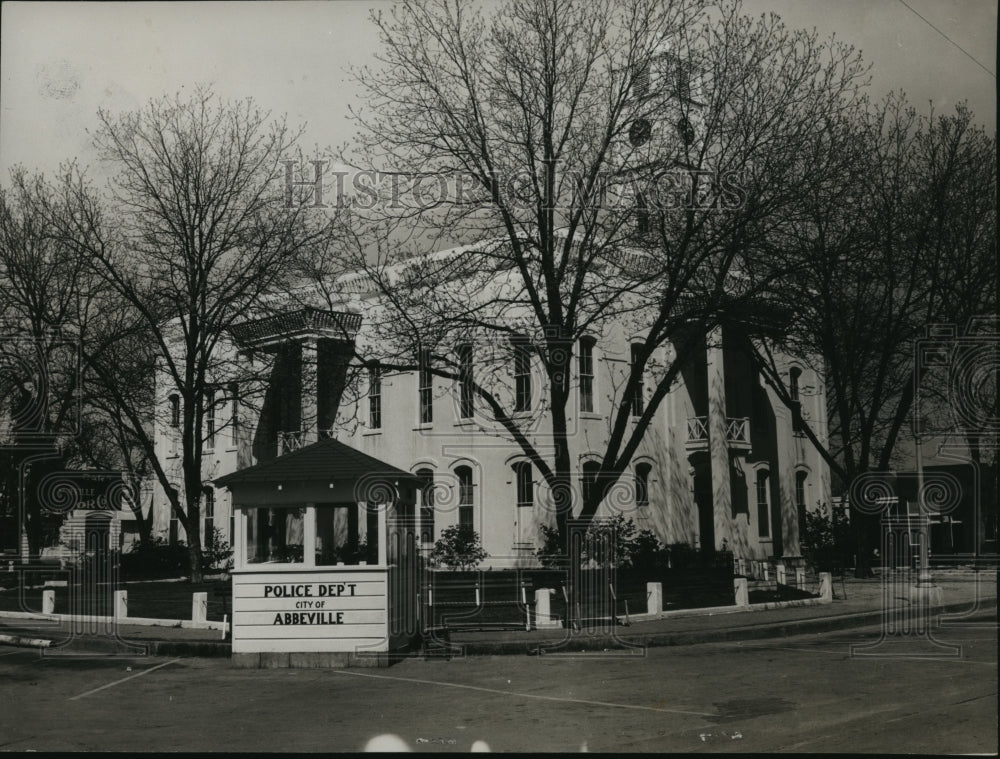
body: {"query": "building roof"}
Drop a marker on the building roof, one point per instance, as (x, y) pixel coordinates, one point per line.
(328, 459)
(304, 321)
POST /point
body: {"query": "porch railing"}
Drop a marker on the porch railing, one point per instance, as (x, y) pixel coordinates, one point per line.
(737, 432)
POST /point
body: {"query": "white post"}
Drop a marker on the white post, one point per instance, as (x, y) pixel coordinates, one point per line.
(543, 613)
(780, 571)
(48, 602)
(825, 587)
(654, 597)
(199, 608)
(765, 567)
(121, 604)
(742, 592)
(800, 578)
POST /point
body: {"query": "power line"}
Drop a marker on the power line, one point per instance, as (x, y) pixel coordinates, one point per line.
(949, 39)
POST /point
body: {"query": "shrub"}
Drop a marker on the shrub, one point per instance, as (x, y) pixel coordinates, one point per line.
(217, 553)
(551, 554)
(458, 548)
(155, 558)
(826, 538)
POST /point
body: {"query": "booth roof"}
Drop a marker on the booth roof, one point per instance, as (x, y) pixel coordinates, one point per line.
(327, 459)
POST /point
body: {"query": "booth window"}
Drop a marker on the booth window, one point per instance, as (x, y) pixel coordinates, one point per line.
(590, 470)
(426, 477)
(793, 384)
(586, 374)
(800, 498)
(338, 535)
(525, 484)
(173, 531)
(465, 381)
(275, 535)
(763, 505)
(375, 396)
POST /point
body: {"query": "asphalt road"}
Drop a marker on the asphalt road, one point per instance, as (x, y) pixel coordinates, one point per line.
(799, 694)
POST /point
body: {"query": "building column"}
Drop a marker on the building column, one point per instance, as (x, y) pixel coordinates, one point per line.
(309, 373)
(718, 445)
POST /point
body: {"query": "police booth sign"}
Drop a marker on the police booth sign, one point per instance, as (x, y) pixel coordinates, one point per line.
(319, 574)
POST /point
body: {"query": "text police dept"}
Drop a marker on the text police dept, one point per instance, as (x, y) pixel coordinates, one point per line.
(320, 591)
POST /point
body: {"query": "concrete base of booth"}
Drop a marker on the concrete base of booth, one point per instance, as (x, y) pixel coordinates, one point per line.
(311, 660)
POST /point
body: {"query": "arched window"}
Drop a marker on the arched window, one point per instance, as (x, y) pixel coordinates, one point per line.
(800, 498)
(426, 397)
(763, 504)
(793, 383)
(175, 410)
(209, 515)
(638, 401)
(375, 396)
(465, 502)
(590, 470)
(522, 377)
(642, 484)
(525, 484)
(426, 477)
(465, 382)
(586, 364)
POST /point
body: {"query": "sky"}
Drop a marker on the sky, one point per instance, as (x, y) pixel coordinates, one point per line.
(60, 62)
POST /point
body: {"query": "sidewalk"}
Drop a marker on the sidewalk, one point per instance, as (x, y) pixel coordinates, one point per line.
(857, 603)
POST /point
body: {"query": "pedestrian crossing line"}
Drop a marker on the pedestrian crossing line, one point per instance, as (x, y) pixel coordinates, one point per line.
(536, 696)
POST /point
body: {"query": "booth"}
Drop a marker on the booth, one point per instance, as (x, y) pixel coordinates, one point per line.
(325, 560)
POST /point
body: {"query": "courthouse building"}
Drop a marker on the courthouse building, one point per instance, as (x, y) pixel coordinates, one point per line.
(722, 465)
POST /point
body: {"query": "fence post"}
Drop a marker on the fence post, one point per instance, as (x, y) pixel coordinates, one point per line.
(543, 609)
(121, 604)
(800, 578)
(826, 587)
(766, 569)
(199, 608)
(741, 591)
(780, 574)
(48, 602)
(654, 597)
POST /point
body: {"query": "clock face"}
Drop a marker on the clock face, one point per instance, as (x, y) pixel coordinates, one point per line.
(638, 133)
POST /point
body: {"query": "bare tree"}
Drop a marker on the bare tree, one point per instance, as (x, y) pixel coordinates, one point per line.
(903, 237)
(194, 228)
(621, 165)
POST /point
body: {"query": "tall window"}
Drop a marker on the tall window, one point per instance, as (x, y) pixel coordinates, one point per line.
(638, 401)
(793, 383)
(426, 477)
(175, 411)
(234, 411)
(586, 374)
(426, 396)
(525, 484)
(465, 382)
(465, 510)
(522, 377)
(800, 498)
(683, 80)
(763, 505)
(590, 470)
(642, 485)
(640, 82)
(209, 515)
(210, 419)
(174, 530)
(375, 396)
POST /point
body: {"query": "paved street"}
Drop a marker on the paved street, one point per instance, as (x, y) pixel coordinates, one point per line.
(803, 693)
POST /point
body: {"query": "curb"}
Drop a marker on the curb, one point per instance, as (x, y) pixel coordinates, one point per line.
(548, 645)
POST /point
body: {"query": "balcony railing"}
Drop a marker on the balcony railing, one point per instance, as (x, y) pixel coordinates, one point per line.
(737, 432)
(292, 441)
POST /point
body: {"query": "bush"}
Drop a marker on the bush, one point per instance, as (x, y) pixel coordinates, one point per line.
(826, 538)
(551, 554)
(217, 553)
(155, 558)
(458, 548)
